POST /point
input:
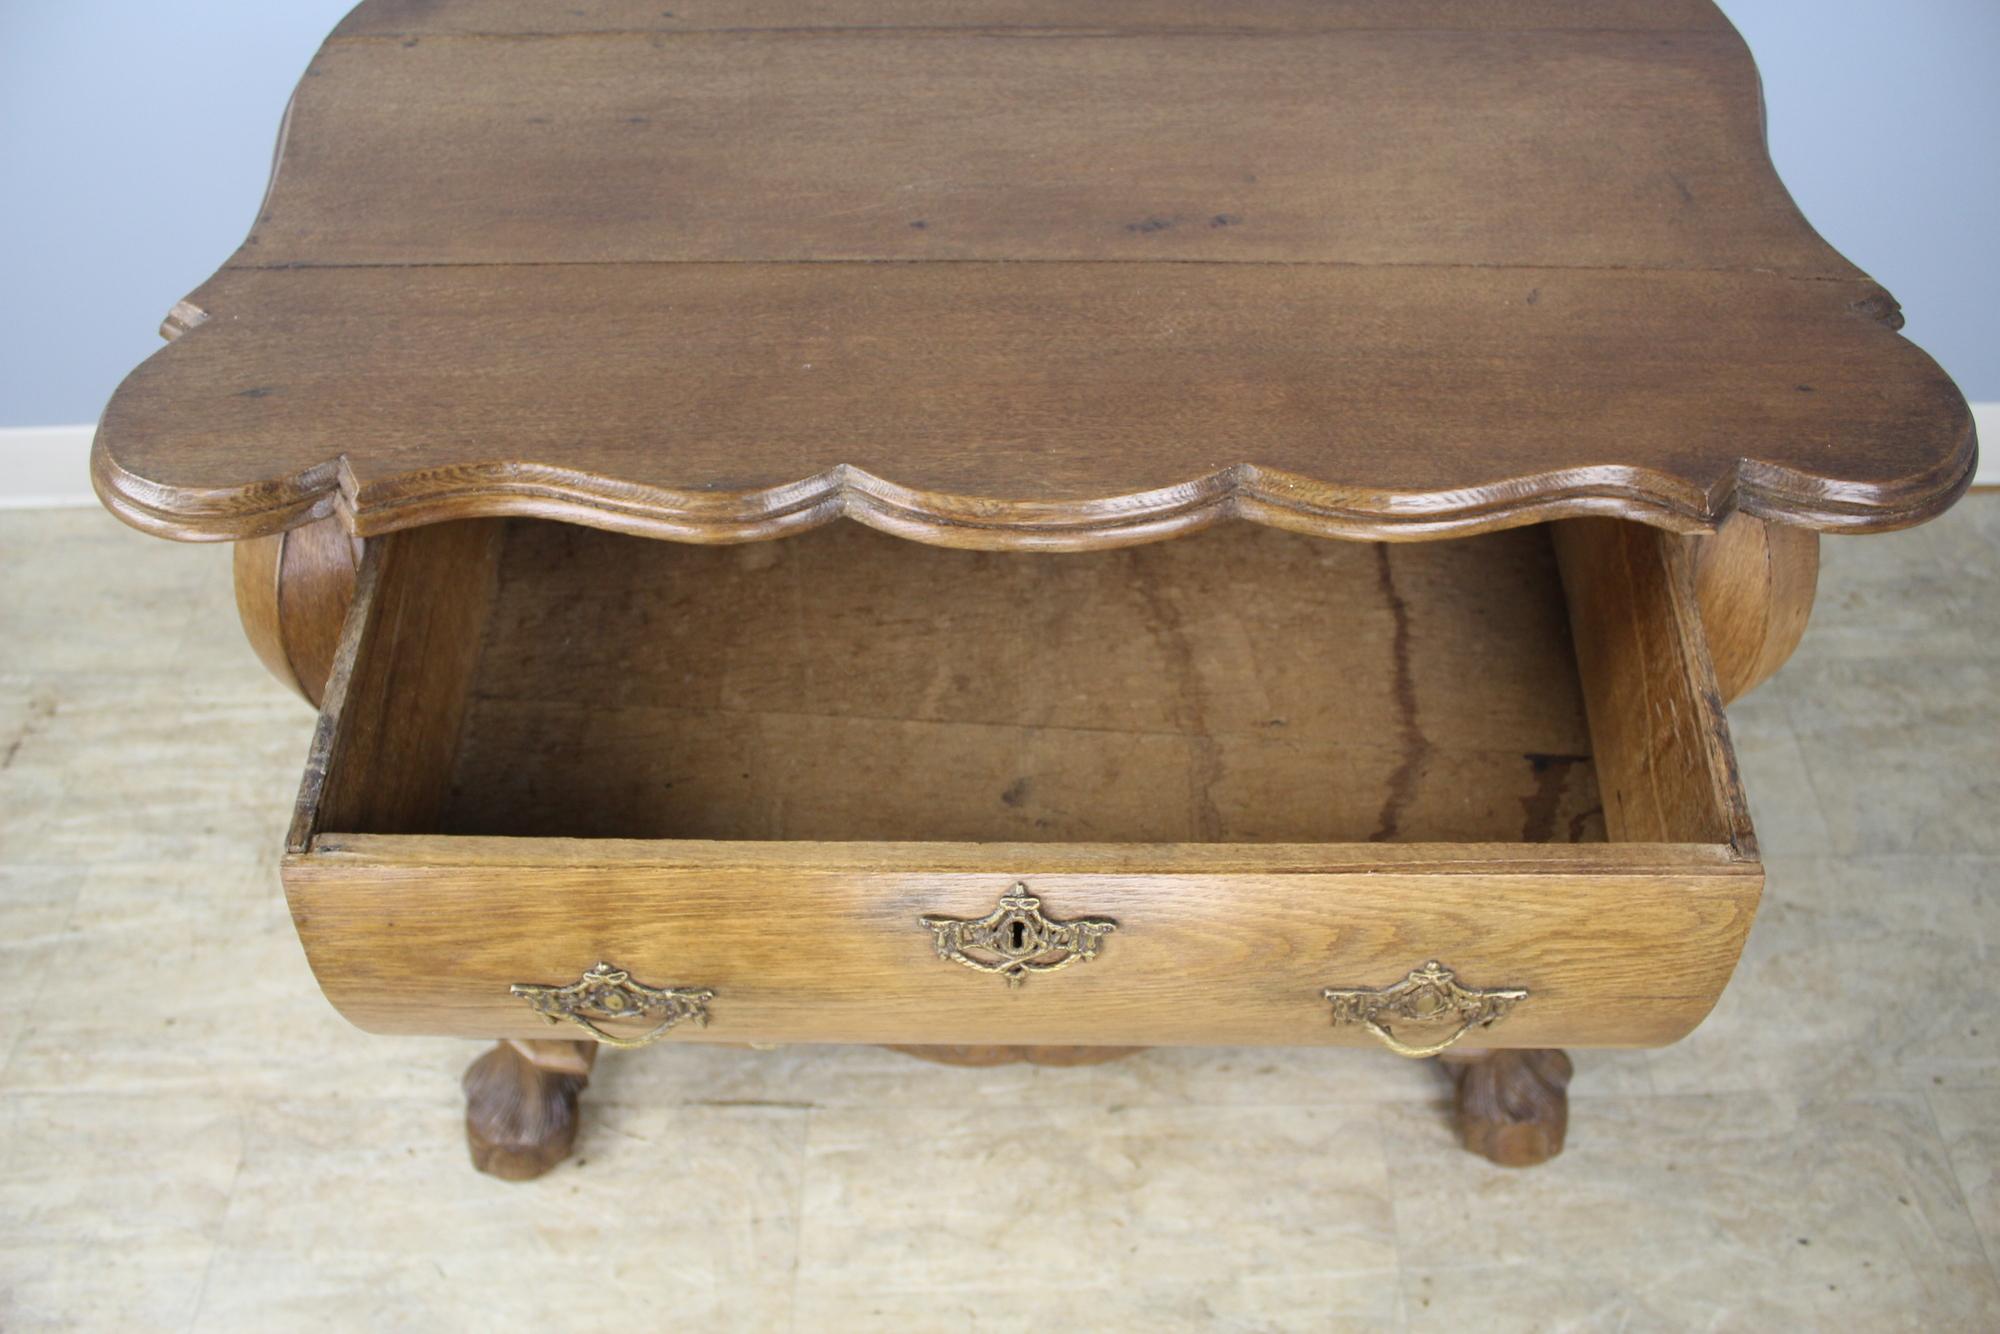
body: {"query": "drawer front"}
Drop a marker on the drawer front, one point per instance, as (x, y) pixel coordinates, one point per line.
(511, 681)
(1037, 945)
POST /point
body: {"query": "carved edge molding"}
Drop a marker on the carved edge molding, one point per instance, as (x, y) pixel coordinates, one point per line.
(1767, 491)
(1245, 491)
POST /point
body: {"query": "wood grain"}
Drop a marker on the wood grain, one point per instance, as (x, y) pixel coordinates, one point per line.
(1240, 685)
(1363, 145)
(521, 1105)
(257, 566)
(1755, 582)
(1019, 275)
(415, 930)
(293, 590)
(1513, 1106)
(396, 693)
(1029, 406)
(1667, 772)
(822, 942)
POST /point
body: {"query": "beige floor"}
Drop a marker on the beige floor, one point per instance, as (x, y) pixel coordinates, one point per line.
(189, 1138)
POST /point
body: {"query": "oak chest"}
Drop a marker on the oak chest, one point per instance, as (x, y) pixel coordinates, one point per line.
(1021, 530)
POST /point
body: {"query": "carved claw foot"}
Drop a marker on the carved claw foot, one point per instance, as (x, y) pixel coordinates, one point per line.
(520, 1105)
(1513, 1106)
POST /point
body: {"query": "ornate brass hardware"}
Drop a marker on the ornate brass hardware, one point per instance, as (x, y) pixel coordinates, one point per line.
(1429, 995)
(1015, 939)
(610, 993)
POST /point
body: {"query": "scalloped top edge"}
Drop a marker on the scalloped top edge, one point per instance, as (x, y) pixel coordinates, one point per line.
(1246, 491)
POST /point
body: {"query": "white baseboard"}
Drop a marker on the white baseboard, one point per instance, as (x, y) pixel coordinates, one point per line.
(46, 466)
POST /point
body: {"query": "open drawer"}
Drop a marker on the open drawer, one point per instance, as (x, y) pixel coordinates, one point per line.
(1238, 787)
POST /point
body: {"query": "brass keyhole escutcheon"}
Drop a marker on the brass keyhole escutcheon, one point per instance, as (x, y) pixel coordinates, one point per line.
(1017, 939)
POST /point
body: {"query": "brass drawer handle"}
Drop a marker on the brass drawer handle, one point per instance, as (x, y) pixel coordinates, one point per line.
(1429, 995)
(1015, 939)
(610, 993)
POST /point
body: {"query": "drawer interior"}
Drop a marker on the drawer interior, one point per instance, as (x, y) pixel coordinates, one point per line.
(1241, 685)
(1274, 763)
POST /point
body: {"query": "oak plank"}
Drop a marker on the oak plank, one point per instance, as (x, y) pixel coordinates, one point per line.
(257, 571)
(1668, 770)
(1755, 582)
(800, 951)
(396, 690)
(1364, 146)
(1032, 405)
(414, 931)
(1241, 685)
(293, 590)
(1017, 275)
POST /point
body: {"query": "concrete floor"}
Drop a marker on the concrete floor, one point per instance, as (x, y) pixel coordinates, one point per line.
(190, 1138)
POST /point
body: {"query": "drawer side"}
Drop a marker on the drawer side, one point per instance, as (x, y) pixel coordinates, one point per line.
(1666, 768)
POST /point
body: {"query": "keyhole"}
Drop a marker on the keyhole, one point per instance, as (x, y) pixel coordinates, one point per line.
(1020, 934)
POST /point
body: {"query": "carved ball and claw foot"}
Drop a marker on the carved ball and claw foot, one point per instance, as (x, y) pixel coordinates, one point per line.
(520, 1105)
(1513, 1105)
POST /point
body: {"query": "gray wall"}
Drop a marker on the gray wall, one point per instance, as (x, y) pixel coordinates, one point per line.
(1884, 121)
(135, 137)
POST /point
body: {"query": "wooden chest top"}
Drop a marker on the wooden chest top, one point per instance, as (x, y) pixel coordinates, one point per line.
(1031, 273)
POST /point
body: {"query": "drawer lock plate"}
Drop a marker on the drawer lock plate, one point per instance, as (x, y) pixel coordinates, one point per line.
(1428, 998)
(1016, 939)
(608, 993)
